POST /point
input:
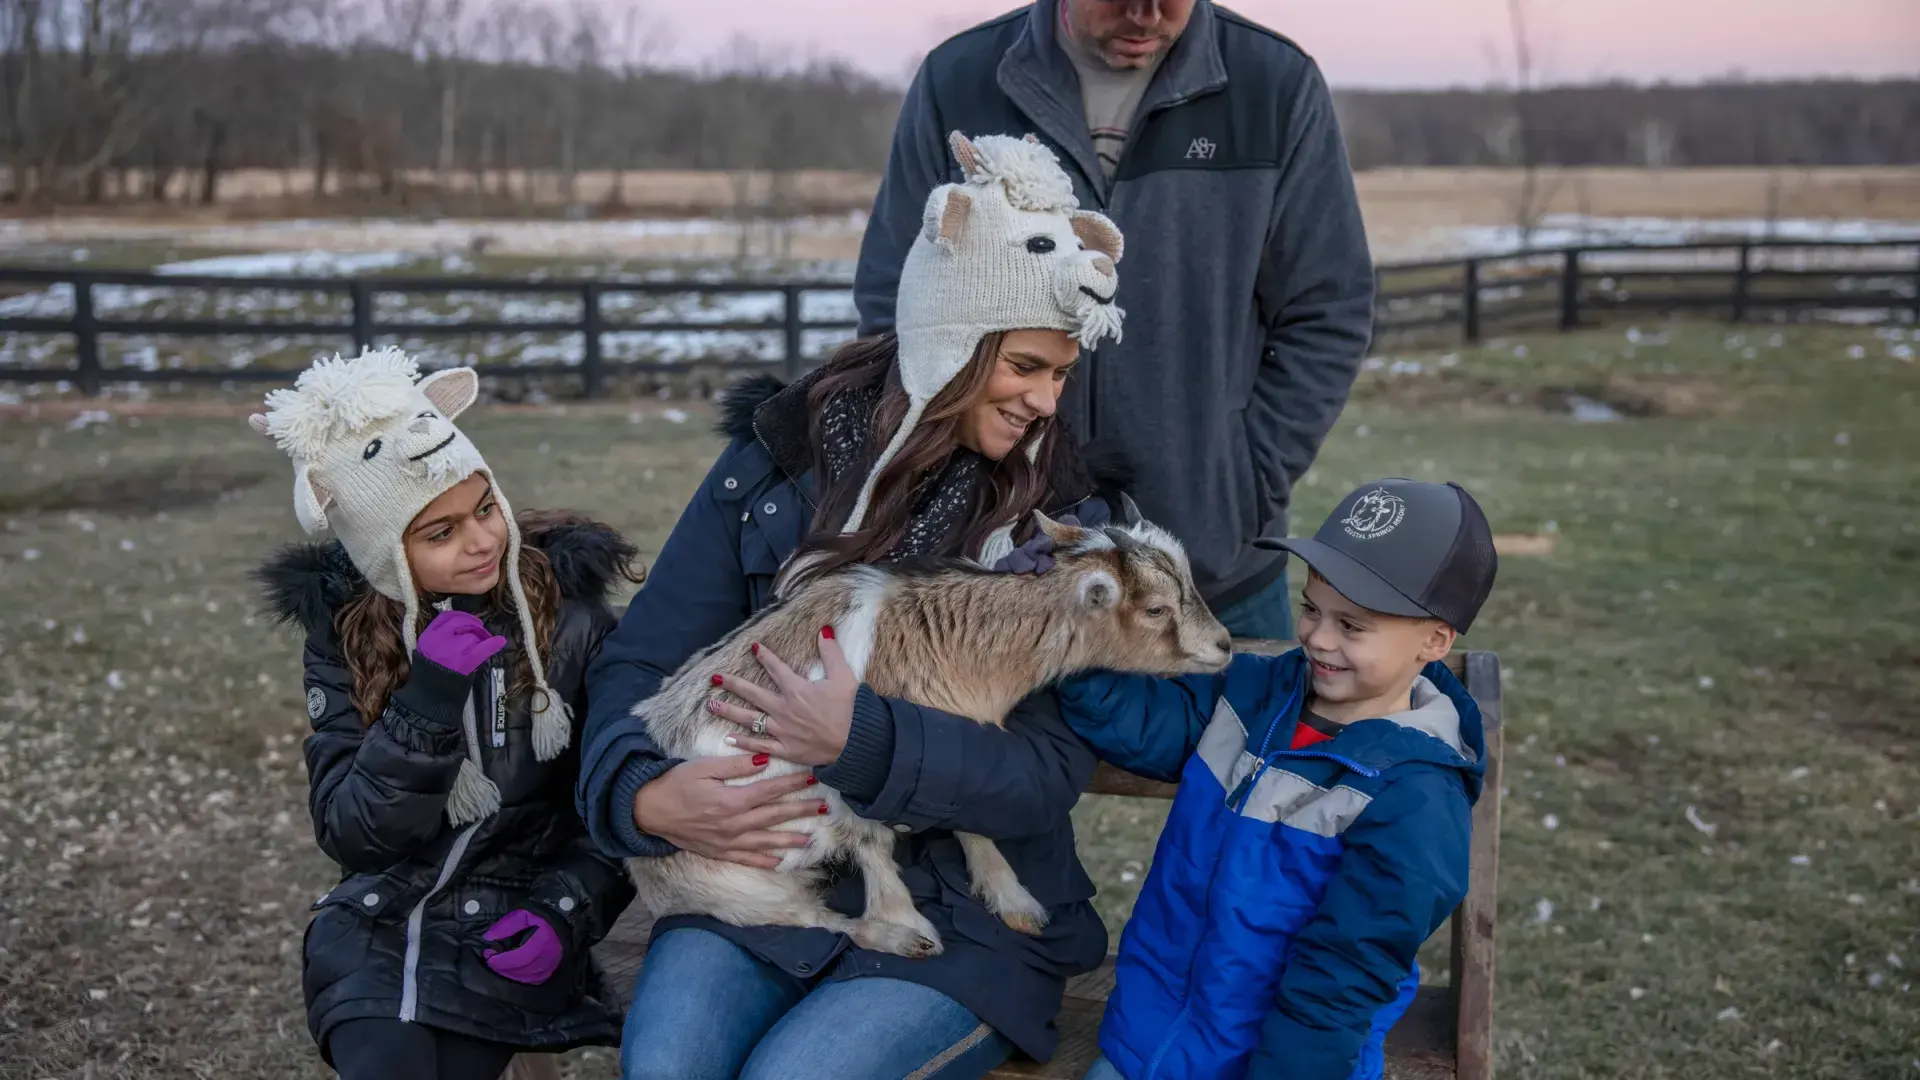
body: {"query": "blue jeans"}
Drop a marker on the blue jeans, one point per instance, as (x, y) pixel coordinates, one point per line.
(1266, 614)
(1103, 1069)
(706, 1009)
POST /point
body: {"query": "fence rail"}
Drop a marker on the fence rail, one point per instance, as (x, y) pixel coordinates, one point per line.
(1560, 288)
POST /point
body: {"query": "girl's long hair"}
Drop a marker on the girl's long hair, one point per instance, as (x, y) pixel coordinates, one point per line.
(376, 654)
(1013, 486)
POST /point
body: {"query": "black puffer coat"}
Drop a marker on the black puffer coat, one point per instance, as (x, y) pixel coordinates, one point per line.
(409, 877)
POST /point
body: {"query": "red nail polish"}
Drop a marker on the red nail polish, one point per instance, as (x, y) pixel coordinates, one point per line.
(825, 809)
(812, 780)
(717, 680)
(761, 759)
(827, 632)
(756, 648)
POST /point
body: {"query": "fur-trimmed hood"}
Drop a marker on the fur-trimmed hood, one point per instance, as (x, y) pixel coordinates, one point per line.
(305, 584)
(761, 407)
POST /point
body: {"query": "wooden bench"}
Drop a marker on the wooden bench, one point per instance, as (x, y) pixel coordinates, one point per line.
(1448, 1033)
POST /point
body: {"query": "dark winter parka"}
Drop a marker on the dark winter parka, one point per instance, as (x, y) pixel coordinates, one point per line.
(401, 935)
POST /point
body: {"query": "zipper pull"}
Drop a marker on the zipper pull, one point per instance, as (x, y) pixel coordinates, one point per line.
(499, 706)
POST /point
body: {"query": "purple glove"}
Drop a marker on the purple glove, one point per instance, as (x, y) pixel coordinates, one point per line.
(1033, 557)
(536, 958)
(459, 642)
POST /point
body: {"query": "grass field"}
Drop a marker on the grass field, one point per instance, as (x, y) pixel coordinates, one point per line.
(1711, 849)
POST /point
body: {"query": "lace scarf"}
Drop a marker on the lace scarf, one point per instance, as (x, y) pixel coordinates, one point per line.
(942, 503)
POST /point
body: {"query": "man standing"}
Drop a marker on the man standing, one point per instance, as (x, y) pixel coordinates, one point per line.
(1211, 141)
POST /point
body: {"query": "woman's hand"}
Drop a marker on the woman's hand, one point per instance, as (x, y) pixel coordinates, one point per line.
(693, 807)
(806, 722)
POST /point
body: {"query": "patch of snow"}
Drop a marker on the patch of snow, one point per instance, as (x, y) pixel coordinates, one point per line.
(115, 681)
(1801, 860)
(1588, 411)
(675, 416)
(1543, 910)
(1706, 827)
(1550, 822)
(290, 264)
(1728, 1013)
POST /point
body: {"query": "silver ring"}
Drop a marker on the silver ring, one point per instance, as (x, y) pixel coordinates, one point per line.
(759, 728)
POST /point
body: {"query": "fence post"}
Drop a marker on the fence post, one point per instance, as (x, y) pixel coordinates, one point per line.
(1373, 329)
(1470, 302)
(791, 293)
(362, 298)
(1570, 291)
(591, 372)
(1916, 285)
(86, 336)
(1743, 283)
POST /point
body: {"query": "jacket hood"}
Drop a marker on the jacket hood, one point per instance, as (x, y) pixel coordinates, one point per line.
(305, 584)
(1441, 725)
(764, 409)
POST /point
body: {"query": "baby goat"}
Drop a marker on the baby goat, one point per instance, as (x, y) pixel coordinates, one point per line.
(951, 637)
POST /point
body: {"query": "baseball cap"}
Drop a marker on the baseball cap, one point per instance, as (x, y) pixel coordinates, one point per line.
(1404, 547)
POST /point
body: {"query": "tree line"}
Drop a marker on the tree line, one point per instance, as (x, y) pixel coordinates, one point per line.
(126, 99)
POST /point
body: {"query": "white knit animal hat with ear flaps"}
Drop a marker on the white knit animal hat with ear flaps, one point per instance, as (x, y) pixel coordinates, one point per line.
(372, 444)
(1007, 248)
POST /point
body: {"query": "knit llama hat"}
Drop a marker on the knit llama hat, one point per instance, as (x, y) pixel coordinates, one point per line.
(1007, 248)
(372, 444)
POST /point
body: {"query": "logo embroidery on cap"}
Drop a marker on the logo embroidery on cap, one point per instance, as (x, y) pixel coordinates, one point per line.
(316, 702)
(1374, 515)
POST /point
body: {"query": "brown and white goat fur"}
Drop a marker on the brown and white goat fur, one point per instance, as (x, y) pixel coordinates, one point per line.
(952, 637)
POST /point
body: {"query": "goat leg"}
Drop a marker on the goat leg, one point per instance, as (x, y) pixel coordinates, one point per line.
(891, 923)
(685, 883)
(996, 885)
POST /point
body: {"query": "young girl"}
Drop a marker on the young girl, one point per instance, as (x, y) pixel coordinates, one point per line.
(446, 646)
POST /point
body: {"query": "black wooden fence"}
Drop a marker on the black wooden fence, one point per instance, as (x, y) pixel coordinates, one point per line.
(1561, 288)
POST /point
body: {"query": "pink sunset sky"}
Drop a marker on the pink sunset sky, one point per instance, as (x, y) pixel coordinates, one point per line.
(1392, 43)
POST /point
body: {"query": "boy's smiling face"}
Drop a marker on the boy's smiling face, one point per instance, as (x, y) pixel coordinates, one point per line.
(1364, 662)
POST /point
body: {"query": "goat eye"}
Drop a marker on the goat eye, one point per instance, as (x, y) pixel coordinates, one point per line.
(1040, 245)
(373, 448)
(1156, 612)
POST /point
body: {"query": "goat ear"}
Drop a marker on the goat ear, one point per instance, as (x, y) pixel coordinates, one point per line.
(258, 422)
(1099, 591)
(1058, 532)
(452, 390)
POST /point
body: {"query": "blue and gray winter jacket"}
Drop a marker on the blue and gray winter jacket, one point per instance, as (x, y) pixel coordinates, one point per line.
(1291, 889)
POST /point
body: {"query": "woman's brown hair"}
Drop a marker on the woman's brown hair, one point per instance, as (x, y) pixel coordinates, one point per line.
(369, 625)
(1014, 486)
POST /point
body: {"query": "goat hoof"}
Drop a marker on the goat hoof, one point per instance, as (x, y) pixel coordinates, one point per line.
(1025, 924)
(912, 942)
(1021, 913)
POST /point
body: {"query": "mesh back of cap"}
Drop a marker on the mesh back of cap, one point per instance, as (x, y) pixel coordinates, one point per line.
(1466, 575)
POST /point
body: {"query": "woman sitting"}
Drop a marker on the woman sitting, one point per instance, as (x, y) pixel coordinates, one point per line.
(920, 444)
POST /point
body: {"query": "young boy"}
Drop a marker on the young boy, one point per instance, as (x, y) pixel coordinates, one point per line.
(1321, 829)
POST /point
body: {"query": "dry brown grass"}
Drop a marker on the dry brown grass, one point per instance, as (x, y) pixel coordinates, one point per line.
(1392, 199)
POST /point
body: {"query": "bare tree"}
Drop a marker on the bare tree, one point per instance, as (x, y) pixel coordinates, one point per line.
(1521, 141)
